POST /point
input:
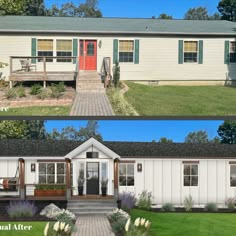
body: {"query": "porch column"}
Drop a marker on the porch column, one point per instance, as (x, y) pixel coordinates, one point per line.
(22, 188)
(68, 179)
(116, 181)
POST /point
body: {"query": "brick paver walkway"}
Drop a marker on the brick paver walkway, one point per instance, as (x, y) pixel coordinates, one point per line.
(93, 226)
(91, 104)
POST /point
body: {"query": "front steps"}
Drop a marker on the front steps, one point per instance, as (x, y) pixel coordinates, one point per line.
(82, 207)
(89, 81)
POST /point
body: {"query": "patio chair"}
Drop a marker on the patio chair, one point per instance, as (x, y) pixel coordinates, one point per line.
(26, 65)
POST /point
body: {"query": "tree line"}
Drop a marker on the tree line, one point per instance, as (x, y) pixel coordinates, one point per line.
(226, 10)
(35, 129)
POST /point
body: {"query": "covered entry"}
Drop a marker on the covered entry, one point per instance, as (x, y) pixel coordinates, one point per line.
(88, 54)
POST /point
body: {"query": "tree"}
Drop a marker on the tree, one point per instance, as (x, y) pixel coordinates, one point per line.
(83, 134)
(227, 132)
(35, 8)
(11, 129)
(165, 140)
(13, 7)
(197, 137)
(165, 16)
(200, 13)
(227, 9)
(89, 9)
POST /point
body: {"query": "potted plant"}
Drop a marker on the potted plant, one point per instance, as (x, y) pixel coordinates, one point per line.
(81, 182)
(104, 187)
(47, 190)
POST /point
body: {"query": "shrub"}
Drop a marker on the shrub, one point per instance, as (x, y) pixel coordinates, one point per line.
(35, 89)
(56, 229)
(116, 74)
(211, 206)
(145, 200)
(49, 187)
(61, 87)
(117, 214)
(21, 91)
(127, 201)
(43, 93)
(21, 209)
(188, 203)
(168, 207)
(55, 91)
(118, 227)
(65, 216)
(10, 93)
(140, 227)
(230, 202)
(119, 104)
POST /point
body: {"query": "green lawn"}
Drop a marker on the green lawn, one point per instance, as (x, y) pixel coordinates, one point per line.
(189, 224)
(38, 111)
(37, 229)
(182, 100)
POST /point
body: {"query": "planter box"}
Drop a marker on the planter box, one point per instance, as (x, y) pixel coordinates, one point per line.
(49, 193)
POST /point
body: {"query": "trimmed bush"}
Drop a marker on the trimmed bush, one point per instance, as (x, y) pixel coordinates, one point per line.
(43, 93)
(211, 207)
(145, 200)
(128, 200)
(168, 207)
(188, 203)
(35, 89)
(21, 209)
(118, 227)
(55, 92)
(230, 202)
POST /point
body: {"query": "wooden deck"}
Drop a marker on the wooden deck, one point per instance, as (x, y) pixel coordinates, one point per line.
(40, 76)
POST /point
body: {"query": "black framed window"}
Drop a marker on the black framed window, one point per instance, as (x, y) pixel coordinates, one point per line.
(190, 175)
(232, 53)
(232, 175)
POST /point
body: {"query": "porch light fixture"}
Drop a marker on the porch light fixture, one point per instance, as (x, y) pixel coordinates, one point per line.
(139, 167)
(100, 43)
(32, 167)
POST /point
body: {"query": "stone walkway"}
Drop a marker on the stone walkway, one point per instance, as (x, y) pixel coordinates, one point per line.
(91, 104)
(93, 226)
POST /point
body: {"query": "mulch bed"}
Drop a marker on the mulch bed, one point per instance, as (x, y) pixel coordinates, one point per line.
(34, 218)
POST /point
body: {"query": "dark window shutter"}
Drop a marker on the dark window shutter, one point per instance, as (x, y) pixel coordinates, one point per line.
(136, 51)
(226, 52)
(33, 50)
(115, 51)
(75, 50)
(181, 51)
(200, 55)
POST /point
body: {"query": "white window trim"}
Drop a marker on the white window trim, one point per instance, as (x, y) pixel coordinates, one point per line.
(230, 175)
(192, 63)
(126, 63)
(55, 47)
(126, 175)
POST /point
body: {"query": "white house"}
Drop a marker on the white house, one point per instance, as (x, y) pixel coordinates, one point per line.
(182, 52)
(170, 171)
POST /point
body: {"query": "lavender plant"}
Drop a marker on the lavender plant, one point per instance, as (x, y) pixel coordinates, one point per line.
(21, 209)
(128, 200)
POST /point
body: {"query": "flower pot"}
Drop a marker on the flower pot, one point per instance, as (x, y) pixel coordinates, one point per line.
(49, 192)
(104, 191)
(80, 190)
(118, 204)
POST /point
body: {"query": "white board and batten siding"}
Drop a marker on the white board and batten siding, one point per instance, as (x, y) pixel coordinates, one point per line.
(164, 179)
(158, 58)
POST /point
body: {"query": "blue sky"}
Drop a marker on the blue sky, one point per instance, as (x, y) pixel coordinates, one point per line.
(147, 8)
(143, 130)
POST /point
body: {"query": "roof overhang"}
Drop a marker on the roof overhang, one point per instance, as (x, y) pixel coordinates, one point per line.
(92, 142)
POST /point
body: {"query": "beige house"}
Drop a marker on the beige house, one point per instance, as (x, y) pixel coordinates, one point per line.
(179, 52)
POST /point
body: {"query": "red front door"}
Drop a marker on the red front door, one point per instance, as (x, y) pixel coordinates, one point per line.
(88, 55)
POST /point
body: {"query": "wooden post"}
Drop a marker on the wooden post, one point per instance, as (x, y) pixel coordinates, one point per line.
(116, 181)
(68, 179)
(10, 72)
(44, 72)
(22, 178)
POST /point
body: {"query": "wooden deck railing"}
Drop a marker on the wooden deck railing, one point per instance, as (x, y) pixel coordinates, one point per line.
(106, 71)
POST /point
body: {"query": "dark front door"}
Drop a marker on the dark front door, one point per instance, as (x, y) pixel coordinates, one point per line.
(93, 178)
(88, 55)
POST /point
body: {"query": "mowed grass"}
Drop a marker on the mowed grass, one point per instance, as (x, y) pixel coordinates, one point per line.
(182, 100)
(186, 224)
(37, 229)
(38, 111)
